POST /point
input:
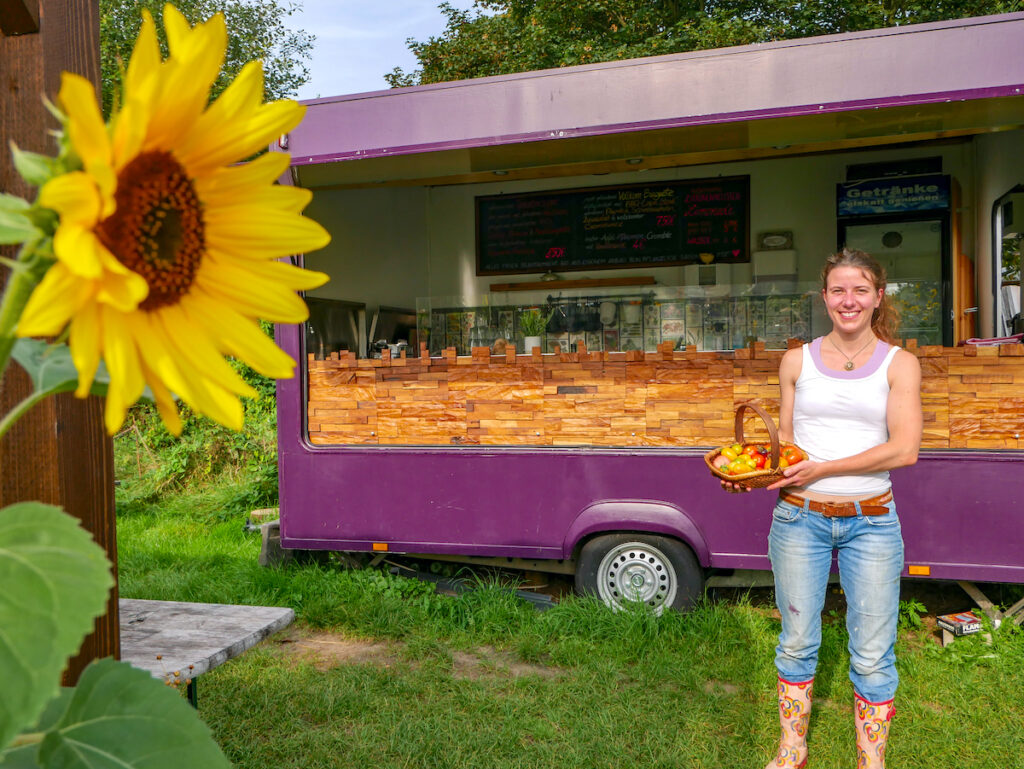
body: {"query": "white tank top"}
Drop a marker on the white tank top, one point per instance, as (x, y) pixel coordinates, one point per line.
(837, 414)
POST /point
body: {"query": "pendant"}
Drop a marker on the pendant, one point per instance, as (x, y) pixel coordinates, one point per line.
(848, 365)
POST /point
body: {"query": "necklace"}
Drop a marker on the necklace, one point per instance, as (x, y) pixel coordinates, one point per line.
(849, 359)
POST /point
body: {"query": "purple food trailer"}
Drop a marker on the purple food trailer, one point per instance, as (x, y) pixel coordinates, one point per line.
(432, 193)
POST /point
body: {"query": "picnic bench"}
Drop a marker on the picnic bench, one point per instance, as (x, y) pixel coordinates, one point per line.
(177, 642)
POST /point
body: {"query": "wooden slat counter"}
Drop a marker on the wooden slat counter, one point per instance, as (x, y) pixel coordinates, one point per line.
(973, 397)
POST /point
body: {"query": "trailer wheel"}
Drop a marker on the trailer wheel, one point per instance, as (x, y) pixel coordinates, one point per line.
(622, 569)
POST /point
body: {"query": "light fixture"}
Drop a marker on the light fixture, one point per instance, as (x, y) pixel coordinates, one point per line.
(549, 275)
(634, 161)
(501, 173)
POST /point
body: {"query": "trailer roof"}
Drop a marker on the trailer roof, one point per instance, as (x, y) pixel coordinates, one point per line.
(909, 83)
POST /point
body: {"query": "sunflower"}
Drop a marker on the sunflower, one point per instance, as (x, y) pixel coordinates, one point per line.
(167, 246)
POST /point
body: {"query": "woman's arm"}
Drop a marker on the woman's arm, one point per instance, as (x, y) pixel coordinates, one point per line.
(903, 418)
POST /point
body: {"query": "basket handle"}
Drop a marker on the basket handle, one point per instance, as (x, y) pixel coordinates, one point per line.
(773, 432)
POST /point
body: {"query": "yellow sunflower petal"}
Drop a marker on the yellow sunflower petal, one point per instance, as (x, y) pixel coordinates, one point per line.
(74, 196)
(192, 343)
(84, 342)
(86, 129)
(243, 178)
(254, 233)
(190, 70)
(257, 297)
(277, 196)
(121, 356)
(238, 141)
(241, 337)
(235, 105)
(57, 298)
(158, 358)
(143, 75)
(129, 133)
(165, 404)
(120, 288)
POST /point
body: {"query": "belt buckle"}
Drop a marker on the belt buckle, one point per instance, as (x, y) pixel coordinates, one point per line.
(833, 509)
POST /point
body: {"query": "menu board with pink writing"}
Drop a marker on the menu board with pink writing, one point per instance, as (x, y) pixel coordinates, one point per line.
(697, 221)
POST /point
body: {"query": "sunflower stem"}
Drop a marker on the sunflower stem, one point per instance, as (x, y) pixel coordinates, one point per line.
(20, 285)
(19, 411)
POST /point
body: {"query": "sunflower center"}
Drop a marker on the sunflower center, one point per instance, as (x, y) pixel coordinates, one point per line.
(157, 230)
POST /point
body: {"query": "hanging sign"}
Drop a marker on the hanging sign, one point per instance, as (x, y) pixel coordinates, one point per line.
(893, 195)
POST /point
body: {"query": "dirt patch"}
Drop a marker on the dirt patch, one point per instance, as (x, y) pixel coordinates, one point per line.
(328, 650)
(720, 687)
(488, 662)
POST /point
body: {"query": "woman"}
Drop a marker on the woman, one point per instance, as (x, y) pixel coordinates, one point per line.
(852, 401)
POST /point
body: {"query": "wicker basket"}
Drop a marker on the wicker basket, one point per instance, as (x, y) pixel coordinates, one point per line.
(755, 479)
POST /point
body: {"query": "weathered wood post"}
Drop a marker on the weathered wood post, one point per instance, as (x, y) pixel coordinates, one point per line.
(59, 453)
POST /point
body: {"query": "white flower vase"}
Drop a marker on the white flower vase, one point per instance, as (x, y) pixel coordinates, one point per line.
(529, 342)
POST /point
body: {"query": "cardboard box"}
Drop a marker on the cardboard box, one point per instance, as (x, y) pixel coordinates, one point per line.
(963, 623)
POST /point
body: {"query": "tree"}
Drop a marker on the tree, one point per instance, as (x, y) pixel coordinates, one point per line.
(497, 37)
(256, 30)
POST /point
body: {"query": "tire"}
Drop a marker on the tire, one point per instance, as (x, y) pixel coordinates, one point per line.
(623, 568)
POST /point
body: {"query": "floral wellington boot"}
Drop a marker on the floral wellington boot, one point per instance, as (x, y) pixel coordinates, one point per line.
(794, 716)
(872, 722)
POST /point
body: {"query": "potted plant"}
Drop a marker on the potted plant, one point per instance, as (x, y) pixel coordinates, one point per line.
(533, 323)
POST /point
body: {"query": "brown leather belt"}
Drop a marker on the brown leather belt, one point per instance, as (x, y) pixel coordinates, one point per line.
(870, 506)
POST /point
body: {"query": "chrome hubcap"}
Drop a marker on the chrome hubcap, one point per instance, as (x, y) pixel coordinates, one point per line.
(635, 572)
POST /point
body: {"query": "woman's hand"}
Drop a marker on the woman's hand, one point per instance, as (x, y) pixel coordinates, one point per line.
(734, 488)
(800, 474)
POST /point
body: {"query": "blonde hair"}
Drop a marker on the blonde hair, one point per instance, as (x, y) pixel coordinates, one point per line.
(885, 320)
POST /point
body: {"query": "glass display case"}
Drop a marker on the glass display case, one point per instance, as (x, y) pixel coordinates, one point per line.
(620, 321)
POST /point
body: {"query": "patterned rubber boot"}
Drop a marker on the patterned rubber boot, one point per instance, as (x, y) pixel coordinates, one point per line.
(872, 722)
(794, 716)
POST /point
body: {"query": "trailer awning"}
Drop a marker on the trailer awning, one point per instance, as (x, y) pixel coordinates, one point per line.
(914, 83)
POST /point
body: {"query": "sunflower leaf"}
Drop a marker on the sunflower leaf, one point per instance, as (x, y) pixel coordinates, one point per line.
(15, 227)
(10, 202)
(122, 716)
(34, 168)
(55, 582)
(52, 371)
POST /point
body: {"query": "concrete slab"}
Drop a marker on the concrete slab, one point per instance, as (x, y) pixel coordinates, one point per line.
(166, 638)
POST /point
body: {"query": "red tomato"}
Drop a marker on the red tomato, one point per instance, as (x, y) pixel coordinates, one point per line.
(750, 449)
(759, 460)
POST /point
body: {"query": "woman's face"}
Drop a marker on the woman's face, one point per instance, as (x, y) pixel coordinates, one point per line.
(850, 299)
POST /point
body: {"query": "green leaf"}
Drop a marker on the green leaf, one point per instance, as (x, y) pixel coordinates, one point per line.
(15, 227)
(55, 581)
(24, 757)
(34, 168)
(120, 716)
(12, 203)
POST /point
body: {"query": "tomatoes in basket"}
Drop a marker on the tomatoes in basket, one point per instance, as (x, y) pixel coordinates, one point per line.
(791, 454)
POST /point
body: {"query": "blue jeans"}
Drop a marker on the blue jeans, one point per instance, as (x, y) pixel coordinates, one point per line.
(800, 546)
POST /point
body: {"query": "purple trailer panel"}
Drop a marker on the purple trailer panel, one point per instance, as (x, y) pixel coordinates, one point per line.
(960, 510)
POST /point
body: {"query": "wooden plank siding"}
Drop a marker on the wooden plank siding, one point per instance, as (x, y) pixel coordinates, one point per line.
(973, 397)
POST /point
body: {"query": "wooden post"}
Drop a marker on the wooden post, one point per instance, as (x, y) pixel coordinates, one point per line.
(59, 453)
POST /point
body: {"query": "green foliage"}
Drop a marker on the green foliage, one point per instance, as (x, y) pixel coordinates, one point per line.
(55, 582)
(150, 463)
(504, 36)
(256, 30)
(534, 322)
(910, 614)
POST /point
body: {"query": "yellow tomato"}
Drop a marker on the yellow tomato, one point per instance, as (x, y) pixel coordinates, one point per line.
(737, 447)
(783, 463)
(728, 453)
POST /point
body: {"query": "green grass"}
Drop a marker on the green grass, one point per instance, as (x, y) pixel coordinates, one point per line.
(576, 686)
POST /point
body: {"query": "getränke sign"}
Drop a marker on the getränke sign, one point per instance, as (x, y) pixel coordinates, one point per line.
(896, 194)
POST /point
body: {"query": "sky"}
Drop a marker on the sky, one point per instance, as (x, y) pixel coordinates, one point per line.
(359, 41)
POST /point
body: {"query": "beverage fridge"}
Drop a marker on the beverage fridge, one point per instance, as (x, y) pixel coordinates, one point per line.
(904, 223)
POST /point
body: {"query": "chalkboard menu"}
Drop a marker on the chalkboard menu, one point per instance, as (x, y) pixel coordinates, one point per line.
(697, 221)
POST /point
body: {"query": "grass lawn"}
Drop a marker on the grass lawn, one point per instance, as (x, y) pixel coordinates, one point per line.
(379, 670)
